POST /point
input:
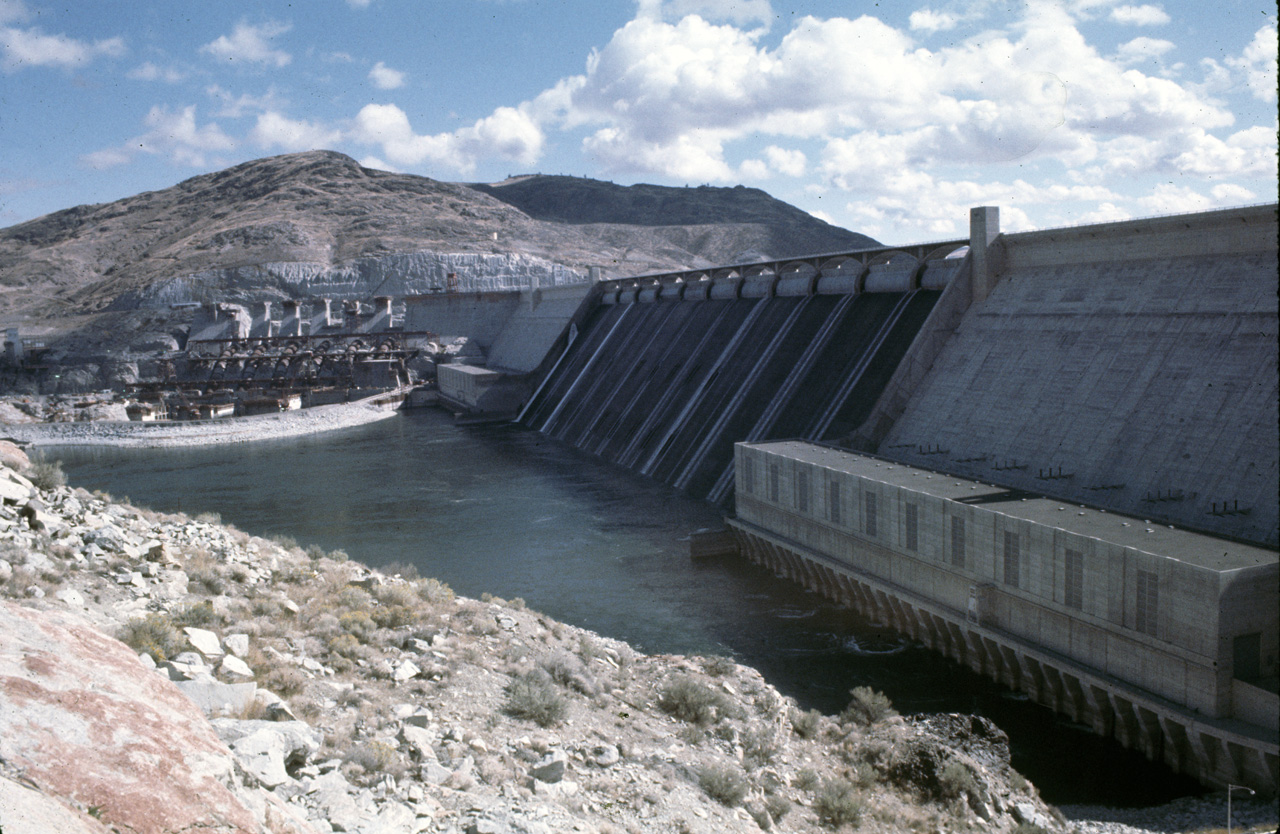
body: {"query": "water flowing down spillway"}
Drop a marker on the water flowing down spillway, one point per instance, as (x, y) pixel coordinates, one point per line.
(665, 388)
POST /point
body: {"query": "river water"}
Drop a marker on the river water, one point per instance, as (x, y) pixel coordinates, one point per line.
(503, 510)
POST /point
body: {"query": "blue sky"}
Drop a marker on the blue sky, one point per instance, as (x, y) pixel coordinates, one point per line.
(888, 118)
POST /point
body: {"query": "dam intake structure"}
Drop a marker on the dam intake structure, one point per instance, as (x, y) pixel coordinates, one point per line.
(667, 372)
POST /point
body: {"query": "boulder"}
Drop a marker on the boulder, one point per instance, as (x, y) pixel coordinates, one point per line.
(237, 644)
(550, 768)
(85, 721)
(204, 641)
(26, 809)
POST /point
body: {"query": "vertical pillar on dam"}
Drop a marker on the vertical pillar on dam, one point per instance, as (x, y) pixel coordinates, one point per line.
(984, 225)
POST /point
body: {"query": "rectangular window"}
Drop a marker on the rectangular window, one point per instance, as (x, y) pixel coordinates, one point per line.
(913, 527)
(869, 517)
(1148, 607)
(957, 541)
(833, 501)
(1012, 552)
(1246, 654)
(749, 473)
(774, 478)
(1073, 580)
(802, 490)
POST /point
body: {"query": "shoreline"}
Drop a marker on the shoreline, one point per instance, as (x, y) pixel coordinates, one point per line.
(305, 421)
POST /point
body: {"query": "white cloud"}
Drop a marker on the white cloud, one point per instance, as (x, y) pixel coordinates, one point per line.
(736, 11)
(385, 78)
(148, 71)
(234, 107)
(1249, 151)
(509, 133)
(250, 44)
(1230, 194)
(377, 164)
(1258, 63)
(1142, 49)
(174, 135)
(927, 20)
(106, 158)
(359, 4)
(23, 48)
(789, 162)
(1144, 15)
(1107, 212)
(274, 130)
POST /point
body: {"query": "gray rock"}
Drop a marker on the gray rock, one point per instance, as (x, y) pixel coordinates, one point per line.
(237, 644)
(204, 641)
(214, 698)
(331, 795)
(550, 768)
(6, 571)
(419, 742)
(71, 597)
(265, 749)
(605, 755)
(232, 665)
(406, 670)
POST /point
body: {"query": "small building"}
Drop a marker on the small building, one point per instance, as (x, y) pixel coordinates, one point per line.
(1162, 638)
(214, 411)
(271, 404)
(146, 412)
(466, 384)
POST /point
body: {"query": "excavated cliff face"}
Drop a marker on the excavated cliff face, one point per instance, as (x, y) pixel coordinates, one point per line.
(413, 273)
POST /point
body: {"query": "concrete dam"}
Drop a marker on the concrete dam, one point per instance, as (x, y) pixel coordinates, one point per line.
(667, 373)
(1027, 454)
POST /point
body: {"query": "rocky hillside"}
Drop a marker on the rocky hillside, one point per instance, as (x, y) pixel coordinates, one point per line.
(322, 210)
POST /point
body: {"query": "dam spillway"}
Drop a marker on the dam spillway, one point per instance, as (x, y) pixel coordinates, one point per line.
(664, 380)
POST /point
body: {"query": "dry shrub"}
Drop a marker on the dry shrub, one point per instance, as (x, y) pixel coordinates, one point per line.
(866, 707)
(723, 784)
(691, 700)
(837, 803)
(154, 634)
(533, 696)
(570, 672)
(806, 724)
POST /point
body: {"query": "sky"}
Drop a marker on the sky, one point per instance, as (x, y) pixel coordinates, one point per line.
(887, 118)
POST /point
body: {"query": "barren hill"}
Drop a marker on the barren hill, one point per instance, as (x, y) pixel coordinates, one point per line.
(322, 208)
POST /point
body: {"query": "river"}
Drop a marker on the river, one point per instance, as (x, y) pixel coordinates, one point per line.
(503, 510)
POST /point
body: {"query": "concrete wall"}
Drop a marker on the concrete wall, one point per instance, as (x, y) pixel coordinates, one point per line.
(1139, 357)
(534, 326)
(515, 329)
(1182, 655)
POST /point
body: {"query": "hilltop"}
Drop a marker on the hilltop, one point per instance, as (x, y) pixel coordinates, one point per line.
(322, 207)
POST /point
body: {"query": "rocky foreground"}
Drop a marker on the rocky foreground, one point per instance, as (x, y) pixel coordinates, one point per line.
(161, 673)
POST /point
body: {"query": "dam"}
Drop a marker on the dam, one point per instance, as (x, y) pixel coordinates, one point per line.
(669, 371)
(1101, 400)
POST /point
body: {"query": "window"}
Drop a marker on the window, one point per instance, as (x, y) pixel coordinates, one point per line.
(748, 473)
(833, 501)
(869, 517)
(913, 527)
(774, 478)
(1246, 651)
(957, 541)
(802, 490)
(1148, 602)
(1073, 580)
(1012, 553)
